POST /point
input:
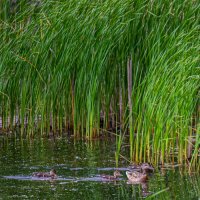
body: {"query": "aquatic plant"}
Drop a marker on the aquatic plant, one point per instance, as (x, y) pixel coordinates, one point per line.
(89, 66)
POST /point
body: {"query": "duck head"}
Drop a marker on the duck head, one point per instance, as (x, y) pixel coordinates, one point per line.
(147, 167)
(53, 173)
(117, 174)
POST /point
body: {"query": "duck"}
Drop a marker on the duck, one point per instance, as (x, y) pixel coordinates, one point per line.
(134, 167)
(115, 176)
(137, 177)
(147, 167)
(52, 174)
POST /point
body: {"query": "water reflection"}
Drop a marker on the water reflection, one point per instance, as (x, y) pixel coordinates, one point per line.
(144, 186)
(79, 166)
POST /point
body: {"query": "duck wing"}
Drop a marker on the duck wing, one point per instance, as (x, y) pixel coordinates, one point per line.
(41, 174)
(105, 176)
(135, 174)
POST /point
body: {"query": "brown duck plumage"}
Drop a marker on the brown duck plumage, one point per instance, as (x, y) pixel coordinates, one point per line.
(147, 167)
(114, 177)
(51, 174)
(136, 177)
(143, 167)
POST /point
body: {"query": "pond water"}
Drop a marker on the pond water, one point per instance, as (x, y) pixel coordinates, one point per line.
(79, 165)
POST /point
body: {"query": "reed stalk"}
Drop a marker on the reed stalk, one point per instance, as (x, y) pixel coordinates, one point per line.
(75, 63)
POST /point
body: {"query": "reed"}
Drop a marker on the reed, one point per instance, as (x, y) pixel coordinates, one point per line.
(63, 66)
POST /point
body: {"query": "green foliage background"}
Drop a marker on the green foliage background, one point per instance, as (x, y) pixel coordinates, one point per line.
(64, 63)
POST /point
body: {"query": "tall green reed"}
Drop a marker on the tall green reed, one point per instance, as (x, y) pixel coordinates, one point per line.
(63, 65)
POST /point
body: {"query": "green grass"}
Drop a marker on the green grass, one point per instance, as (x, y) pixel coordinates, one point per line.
(65, 64)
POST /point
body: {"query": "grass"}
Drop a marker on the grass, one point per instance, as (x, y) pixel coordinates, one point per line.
(87, 66)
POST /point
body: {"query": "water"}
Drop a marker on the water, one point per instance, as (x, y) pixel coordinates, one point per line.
(79, 166)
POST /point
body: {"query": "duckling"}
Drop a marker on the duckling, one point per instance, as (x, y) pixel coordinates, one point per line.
(52, 174)
(114, 177)
(136, 177)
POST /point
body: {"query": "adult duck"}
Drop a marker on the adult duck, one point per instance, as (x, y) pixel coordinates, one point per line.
(52, 174)
(147, 167)
(115, 176)
(136, 177)
(142, 167)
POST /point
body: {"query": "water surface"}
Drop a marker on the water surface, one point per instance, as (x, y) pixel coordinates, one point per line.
(79, 166)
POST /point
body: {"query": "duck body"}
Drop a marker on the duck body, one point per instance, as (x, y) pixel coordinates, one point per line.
(136, 177)
(135, 167)
(143, 167)
(52, 174)
(116, 175)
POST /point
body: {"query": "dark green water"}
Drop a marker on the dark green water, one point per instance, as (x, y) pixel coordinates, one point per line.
(79, 165)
